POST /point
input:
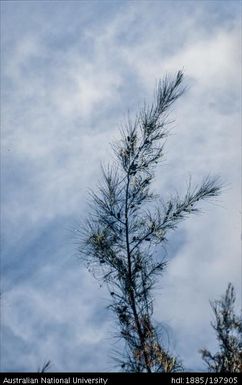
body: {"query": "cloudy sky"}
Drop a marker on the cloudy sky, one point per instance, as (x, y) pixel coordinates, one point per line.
(70, 72)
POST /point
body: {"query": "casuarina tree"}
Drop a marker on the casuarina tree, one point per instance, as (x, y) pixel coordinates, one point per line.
(228, 328)
(126, 224)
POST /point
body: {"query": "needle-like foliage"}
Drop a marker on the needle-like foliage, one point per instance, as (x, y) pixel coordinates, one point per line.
(127, 220)
(228, 329)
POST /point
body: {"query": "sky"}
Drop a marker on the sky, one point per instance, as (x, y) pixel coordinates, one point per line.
(71, 70)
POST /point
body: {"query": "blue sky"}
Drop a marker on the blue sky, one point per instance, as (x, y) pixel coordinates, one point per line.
(70, 72)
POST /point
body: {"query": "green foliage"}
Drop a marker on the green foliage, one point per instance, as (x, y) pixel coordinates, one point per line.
(127, 221)
(228, 329)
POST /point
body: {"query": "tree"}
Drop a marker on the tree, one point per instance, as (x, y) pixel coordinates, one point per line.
(127, 222)
(228, 329)
(45, 367)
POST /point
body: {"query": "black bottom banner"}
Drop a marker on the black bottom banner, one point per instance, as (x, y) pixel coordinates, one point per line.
(121, 378)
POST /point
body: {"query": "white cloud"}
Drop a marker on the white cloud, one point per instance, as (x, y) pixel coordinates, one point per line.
(56, 319)
(63, 107)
